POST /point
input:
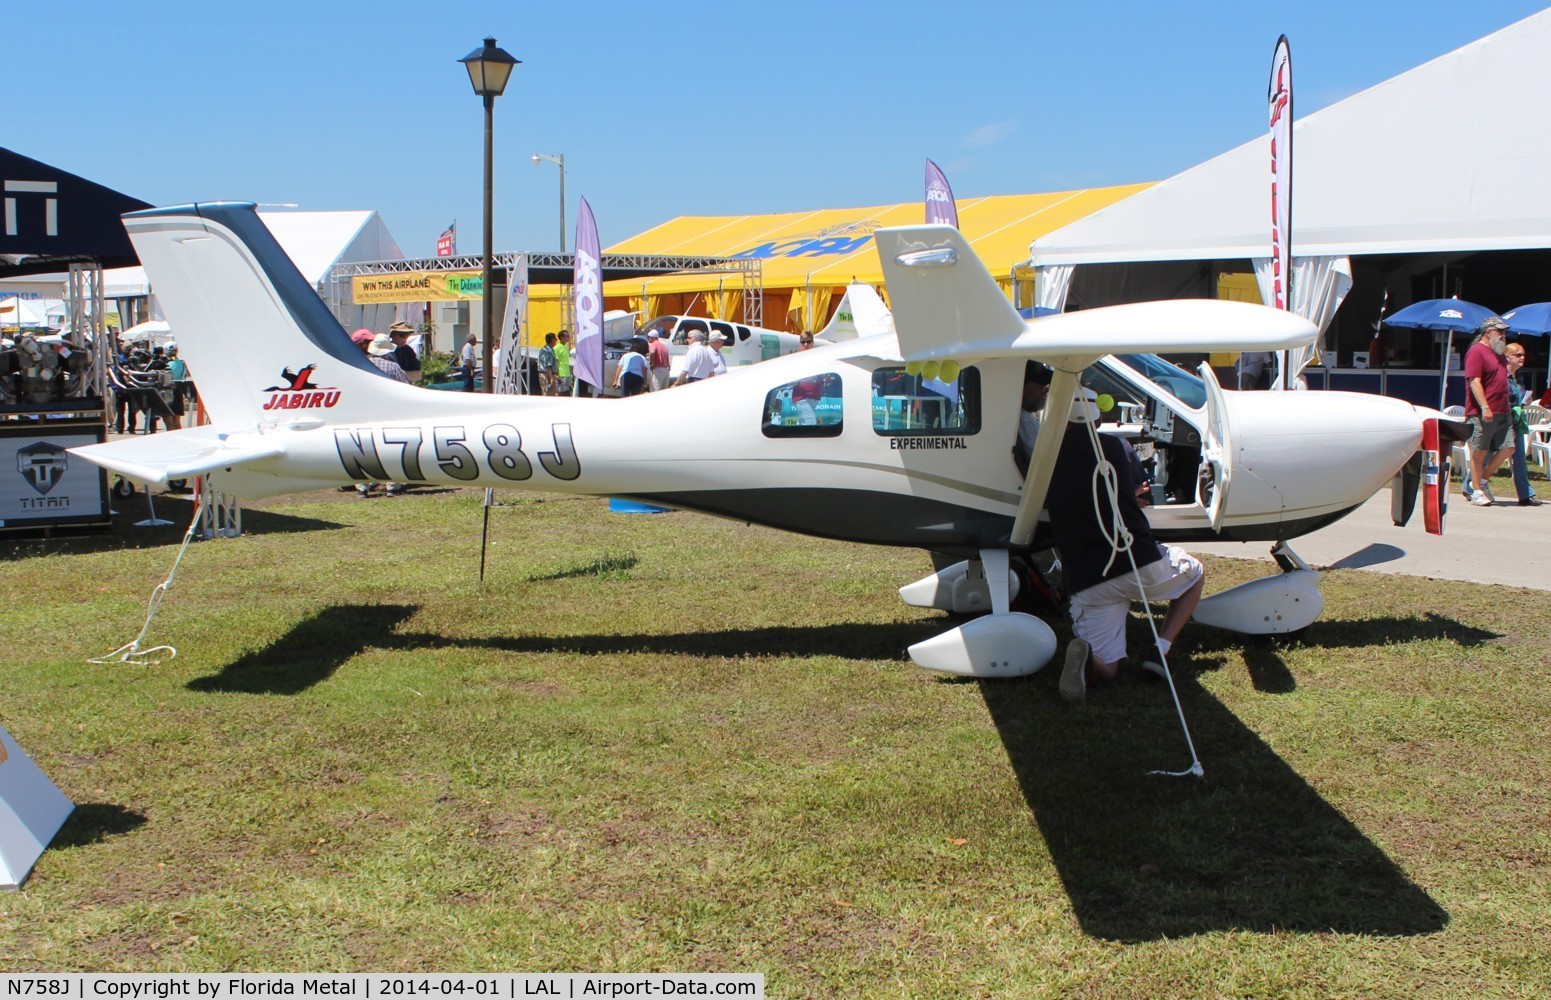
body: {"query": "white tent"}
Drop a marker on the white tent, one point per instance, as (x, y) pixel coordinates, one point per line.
(315, 242)
(18, 311)
(1450, 156)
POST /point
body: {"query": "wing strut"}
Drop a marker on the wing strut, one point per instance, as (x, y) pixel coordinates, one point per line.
(1052, 428)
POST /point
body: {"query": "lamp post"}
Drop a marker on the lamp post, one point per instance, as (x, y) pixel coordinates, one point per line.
(558, 160)
(489, 69)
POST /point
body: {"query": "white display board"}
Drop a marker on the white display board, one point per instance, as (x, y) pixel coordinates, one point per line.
(42, 484)
(31, 811)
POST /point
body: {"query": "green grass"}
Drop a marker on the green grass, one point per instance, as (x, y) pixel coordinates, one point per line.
(670, 742)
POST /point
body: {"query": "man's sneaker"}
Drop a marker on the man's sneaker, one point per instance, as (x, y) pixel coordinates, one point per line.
(1479, 499)
(364, 489)
(1074, 676)
(394, 489)
(1485, 490)
(1531, 501)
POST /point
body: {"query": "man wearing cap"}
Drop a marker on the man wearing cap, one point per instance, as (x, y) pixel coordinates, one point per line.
(718, 363)
(1097, 574)
(1486, 408)
(657, 354)
(408, 359)
(379, 351)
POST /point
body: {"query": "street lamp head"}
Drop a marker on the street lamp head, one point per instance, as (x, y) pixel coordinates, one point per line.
(489, 68)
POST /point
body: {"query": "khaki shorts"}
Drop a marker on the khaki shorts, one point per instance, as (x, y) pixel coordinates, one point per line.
(1489, 436)
(1099, 613)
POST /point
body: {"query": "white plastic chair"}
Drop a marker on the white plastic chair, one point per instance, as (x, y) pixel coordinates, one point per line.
(1538, 441)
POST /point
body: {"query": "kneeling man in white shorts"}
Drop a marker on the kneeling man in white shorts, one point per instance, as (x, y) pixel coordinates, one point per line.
(1100, 577)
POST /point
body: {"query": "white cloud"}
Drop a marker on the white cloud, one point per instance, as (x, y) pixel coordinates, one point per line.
(989, 135)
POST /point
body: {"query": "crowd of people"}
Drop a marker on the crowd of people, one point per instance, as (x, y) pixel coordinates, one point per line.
(154, 383)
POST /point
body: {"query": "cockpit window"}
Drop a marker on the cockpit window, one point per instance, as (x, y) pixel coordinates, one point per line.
(809, 407)
(1182, 385)
(686, 326)
(904, 404)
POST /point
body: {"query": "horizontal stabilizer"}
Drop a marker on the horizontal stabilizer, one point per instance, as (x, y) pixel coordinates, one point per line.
(194, 451)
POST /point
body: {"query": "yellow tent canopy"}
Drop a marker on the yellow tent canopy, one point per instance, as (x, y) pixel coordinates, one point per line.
(806, 256)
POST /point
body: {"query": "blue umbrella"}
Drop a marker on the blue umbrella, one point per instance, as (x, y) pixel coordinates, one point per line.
(1531, 320)
(1453, 315)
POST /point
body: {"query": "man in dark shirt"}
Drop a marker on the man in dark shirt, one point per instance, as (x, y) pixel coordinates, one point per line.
(406, 356)
(1097, 572)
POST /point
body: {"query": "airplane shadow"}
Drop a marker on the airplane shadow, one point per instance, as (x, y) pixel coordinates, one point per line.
(1268, 672)
(1353, 633)
(1249, 847)
(1369, 555)
(312, 651)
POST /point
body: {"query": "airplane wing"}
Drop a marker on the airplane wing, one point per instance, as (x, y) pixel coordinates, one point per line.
(193, 451)
(947, 305)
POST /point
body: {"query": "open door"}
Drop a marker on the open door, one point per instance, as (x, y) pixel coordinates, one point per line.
(1217, 452)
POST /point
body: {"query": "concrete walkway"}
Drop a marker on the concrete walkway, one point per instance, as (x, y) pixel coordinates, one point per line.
(1505, 544)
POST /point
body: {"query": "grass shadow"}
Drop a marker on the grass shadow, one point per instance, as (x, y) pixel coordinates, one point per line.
(1249, 847)
(311, 652)
(607, 565)
(94, 822)
(124, 534)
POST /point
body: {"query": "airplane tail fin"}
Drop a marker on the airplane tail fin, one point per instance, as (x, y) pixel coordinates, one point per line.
(260, 344)
(861, 313)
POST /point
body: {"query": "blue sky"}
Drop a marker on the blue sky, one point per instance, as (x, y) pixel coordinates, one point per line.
(666, 109)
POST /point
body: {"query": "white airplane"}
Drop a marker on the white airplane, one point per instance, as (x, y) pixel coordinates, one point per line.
(870, 455)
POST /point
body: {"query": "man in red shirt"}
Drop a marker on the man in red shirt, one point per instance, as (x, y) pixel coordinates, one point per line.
(1486, 408)
(657, 354)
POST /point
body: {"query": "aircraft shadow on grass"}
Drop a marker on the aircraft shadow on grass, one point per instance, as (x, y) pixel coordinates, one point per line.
(1252, 847)
(1249, 847)
(1269, 672)
(312, 651)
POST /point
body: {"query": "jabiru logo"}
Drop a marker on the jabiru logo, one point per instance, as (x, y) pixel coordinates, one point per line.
(299, 393)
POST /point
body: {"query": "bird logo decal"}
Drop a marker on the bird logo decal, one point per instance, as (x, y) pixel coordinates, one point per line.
(298, 392)
(297, 381)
